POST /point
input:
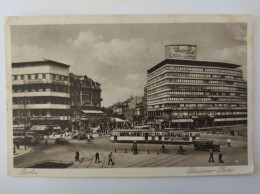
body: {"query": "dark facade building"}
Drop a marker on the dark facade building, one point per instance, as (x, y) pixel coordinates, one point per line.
(85, 100)
(195, 94)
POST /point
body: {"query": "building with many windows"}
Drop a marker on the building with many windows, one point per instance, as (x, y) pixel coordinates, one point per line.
(85, 100)
(195, 94)
(40, 91)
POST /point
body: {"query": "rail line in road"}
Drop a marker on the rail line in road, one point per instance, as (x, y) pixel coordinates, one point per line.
(174, 160)
(148, 160)
(163, 162)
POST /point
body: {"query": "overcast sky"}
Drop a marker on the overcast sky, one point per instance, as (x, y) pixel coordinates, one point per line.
(118, 56)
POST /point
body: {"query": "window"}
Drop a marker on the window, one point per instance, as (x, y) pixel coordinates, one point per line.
(29, 77)
(36, 76)
(43, 76)
(22, 77)
(15, 77)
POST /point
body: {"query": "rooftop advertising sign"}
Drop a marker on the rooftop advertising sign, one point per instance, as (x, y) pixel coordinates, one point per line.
(188, 52)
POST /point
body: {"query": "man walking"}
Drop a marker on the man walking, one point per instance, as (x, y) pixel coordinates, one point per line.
(97, 157)
(211, 159)
(46, 143)
(77, 156)
(110, 159)
(220, 157)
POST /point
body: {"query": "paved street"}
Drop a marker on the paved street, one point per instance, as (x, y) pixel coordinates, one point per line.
(123, 157)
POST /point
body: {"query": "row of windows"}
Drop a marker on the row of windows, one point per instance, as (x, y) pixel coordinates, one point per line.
(41, 76)
(36, 113)
(198, 106)
(41, 100)
(195, 88)
(175, 74)
(181, 68)
(40, 88)
(188, 114)
(194, 94)
(189, 81)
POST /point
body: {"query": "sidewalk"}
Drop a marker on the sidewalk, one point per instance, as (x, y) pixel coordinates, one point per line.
(22, 151)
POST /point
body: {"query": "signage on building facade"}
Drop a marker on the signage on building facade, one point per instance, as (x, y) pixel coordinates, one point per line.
(188, 52)
(85, 99)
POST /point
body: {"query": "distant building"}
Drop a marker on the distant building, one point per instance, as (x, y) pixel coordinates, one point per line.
(128, 107)
(40, 91)
(184, 93)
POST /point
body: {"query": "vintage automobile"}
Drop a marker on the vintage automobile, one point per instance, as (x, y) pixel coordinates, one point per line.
(206, 145)
(25, 140)
(61, 141)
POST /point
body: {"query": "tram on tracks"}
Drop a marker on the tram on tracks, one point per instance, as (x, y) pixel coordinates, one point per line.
(146, 135)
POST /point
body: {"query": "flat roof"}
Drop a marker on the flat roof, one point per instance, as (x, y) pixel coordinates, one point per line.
(43, 62)
(192, 63)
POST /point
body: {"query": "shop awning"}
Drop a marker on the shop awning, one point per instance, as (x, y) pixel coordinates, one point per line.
(38, 127)
(118, 120)
(92, 111)
(182, 121)
(84, 119)
(18, 127)
(57, 127)
(230, 119)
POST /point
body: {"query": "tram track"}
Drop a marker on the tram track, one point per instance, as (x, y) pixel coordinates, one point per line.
(181, 161)
(144, 165)
(165, 162)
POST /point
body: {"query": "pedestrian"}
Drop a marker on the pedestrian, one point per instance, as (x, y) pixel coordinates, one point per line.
(229, 142)
(220, 157)
(77, 156)
(211, 158)
(110, 159)
(17, 145)
(97, 157)
(46, 143)
(163, 148)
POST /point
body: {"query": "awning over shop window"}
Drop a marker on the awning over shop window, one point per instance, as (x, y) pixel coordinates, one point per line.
(38, 127)
(182, 121)
(84, 119)
(18, 127)
(117, 120)
(230, 119)
(92, 111)
(57, 127)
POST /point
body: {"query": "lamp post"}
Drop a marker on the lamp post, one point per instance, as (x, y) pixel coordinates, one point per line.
(25, 121)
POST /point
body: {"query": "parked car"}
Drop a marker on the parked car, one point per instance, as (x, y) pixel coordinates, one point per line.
(206, 145)
(61, 141)
(82, 137)
(26, 140)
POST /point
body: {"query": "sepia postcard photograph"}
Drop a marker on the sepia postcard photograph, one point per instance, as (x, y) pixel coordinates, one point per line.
(129, 95)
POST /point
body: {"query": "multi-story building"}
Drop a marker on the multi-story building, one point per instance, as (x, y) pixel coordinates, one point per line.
(40, 92)
(128, 107)
(192, 94)
(85, 100)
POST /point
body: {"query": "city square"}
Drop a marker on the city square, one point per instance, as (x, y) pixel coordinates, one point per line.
(149, 155)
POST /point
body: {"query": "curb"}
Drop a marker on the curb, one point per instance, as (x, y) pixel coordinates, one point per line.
(24, 154)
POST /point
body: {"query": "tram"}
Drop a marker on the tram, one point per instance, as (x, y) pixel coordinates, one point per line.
(167, 136)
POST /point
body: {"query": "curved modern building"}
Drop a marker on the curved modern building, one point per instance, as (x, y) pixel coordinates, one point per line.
(195, 94)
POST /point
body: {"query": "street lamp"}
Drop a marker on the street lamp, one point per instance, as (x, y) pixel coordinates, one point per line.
(25, 121)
